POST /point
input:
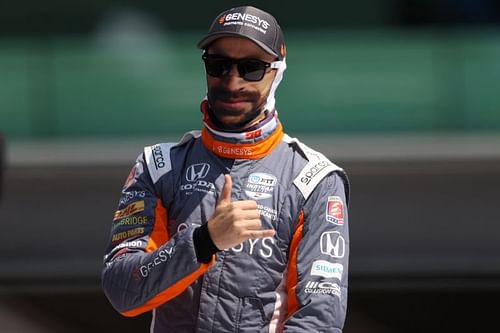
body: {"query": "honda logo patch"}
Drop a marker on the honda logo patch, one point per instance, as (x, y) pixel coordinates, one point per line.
(332, 244)
(197, 171)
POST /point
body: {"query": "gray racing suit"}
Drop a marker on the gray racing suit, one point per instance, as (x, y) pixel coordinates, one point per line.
(295, 281)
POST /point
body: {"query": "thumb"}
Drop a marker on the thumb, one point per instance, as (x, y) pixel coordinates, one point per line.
(226, 190)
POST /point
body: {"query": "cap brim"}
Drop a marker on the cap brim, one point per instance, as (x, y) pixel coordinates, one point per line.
(207, 40)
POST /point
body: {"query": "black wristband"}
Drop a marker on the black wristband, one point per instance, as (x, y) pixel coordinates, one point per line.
(203, 244)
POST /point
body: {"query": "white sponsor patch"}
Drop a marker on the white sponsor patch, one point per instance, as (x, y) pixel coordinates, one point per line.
(260, 185)
(195, 175)
(268, 212)
(333, 244)
(158, 156)
(197, 171)
(261, 247)
(327, 269)
(315, 170)
(161, 257)
(328, 288)
(158, 160)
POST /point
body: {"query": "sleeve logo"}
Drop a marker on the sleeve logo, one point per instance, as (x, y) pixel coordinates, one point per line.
(335, 210)
(332, 244)
(131, 178)
(327, 269)
(133, 208)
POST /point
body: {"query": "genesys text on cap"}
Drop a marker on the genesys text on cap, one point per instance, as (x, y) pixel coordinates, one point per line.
(245, 19)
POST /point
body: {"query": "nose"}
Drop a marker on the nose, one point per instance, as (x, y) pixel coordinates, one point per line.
(233, 80)
(233, 71)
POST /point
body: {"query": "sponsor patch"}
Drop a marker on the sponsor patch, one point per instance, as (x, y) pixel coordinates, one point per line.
(158, 160)
(260, 247)
(133, 208)
(268, 212)
(131, 177)
(335, 210)
(161, 257)
(127, 234)
(198, 186)
(332, 244)
(260, 185)
(158, 157)
(132, 244)
(197, 171)
(132, 220)
(328, 288)
(195, 182)
(327, 269)
(312, 170)
(248, 20)
(234, 151)
(131, 195)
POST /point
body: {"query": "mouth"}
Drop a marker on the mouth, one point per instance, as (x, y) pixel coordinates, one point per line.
(233, 103)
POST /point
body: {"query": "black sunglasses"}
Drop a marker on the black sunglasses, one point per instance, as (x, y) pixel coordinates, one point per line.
(249, 69)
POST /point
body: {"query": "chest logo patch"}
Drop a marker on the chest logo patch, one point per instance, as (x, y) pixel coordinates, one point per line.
(260, 185)
(197, 171)
(195, 174)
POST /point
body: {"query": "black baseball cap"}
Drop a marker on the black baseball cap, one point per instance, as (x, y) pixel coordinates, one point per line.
(250, 22)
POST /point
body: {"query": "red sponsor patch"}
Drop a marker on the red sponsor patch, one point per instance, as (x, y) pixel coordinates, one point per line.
(335, 210)
(131, 178)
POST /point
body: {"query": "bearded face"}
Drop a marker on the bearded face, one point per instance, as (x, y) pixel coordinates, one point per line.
(236, 103)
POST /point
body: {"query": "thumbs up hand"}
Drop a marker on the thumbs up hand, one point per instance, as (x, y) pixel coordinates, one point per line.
(234, 222)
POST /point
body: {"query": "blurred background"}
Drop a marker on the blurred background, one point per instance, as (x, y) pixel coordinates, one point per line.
(404, 94)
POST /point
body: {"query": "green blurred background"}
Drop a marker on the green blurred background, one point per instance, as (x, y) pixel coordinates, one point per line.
(92, 69)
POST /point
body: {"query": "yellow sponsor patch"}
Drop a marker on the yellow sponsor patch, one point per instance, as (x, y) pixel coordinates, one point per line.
(133, 208)
(127, 234)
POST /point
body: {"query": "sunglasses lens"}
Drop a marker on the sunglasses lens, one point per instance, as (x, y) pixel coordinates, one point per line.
(217, 67)
(252, 70)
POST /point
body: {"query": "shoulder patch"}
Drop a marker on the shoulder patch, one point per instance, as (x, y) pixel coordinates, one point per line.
(158, 159)
(318, 167)
(158, 156)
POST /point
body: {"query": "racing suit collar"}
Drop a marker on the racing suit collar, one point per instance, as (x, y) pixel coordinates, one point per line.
(242, 150)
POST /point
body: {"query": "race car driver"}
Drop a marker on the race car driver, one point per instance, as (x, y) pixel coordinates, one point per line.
(237, 227)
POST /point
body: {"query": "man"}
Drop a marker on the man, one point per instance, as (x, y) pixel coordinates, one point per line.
(238, 227)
